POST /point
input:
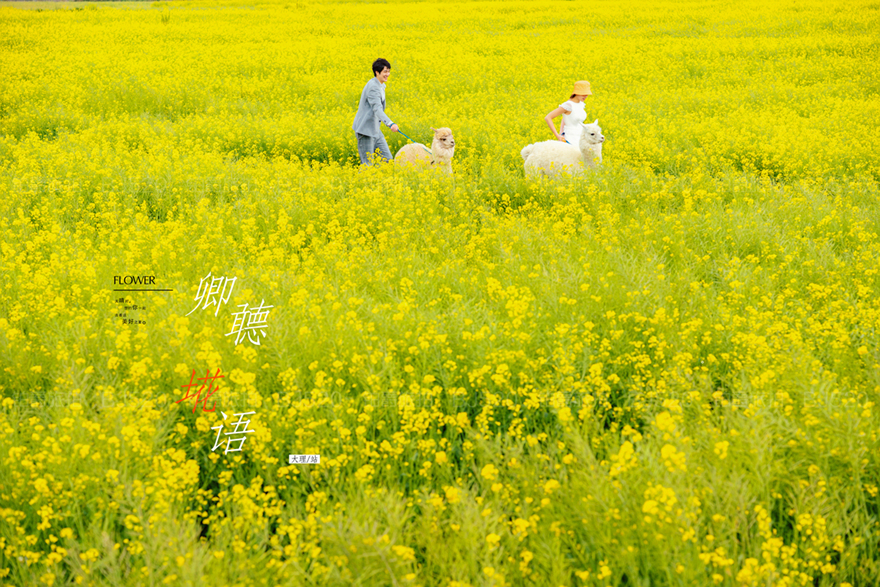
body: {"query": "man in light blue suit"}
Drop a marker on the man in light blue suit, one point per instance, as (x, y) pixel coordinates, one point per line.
(371, 109)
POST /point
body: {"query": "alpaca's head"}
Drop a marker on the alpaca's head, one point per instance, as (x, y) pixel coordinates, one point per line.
(443, 141)
(591, 134)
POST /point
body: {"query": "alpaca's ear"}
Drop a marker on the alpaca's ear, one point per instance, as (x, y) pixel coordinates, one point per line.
(433, 129)
(596, 121)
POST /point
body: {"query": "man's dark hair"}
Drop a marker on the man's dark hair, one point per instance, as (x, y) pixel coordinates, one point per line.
(379, 65)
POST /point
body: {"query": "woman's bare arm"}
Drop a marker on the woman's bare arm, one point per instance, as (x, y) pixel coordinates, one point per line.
(549, 120)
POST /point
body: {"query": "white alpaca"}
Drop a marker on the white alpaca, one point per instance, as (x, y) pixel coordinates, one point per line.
(549, 157)
(442, 150)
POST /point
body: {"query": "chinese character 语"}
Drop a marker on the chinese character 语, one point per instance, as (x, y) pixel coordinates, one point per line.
(229, 441)
(250, 321)
(198, 394)
(208, 291)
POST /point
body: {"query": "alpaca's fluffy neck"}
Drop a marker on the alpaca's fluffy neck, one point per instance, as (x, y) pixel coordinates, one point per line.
(590, 151)
(441, 155)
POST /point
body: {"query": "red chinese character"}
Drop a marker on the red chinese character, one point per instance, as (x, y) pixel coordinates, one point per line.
(198, 394)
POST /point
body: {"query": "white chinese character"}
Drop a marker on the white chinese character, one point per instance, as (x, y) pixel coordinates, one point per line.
(229, 441)
(303, 459)
(250, 322)
(208, 291)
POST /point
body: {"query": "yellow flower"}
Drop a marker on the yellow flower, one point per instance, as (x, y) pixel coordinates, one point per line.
(404, 552)
(551, 486)
(452, 494)
(364, 473)
(89, 555)
(665, 422)
(624, 460)
(673, 458)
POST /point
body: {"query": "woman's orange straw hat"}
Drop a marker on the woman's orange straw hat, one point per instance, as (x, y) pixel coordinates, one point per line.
(582, 88)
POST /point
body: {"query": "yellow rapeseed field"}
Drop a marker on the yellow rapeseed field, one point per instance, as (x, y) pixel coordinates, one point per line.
(663, 372)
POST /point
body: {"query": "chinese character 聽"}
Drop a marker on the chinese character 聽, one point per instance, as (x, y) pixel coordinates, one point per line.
(250, 322)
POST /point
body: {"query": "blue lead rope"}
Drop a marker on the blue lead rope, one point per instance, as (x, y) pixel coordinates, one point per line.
(412, 141)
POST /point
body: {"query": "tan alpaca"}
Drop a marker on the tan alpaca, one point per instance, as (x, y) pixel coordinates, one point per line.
(442, 149)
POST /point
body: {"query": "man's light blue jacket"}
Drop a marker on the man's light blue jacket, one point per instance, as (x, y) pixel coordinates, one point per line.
(371, 109)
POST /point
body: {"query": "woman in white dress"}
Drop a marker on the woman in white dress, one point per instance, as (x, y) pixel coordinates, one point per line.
(573, 115)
